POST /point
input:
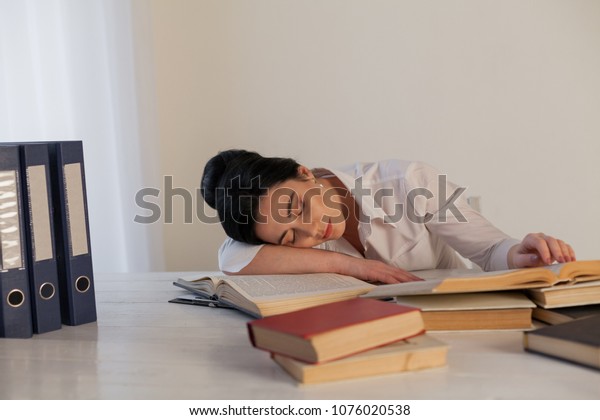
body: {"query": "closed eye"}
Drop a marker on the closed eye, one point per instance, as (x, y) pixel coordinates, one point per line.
(288, 237)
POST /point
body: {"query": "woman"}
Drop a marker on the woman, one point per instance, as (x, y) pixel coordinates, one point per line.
(374, 221)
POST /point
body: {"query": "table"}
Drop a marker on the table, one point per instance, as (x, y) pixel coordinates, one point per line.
(143, 347)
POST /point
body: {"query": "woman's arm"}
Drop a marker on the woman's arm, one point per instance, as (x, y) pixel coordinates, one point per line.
(276, 259)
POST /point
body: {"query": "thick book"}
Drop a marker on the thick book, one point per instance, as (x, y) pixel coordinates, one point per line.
(15, 304)
(417, 353)
(267, 295)
(335, 330)
(473, 311)
(583, 293)
(39, 229)
(576, 341)
(556, 316)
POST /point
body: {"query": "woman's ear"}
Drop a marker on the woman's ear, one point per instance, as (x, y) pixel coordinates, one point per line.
(305, 173)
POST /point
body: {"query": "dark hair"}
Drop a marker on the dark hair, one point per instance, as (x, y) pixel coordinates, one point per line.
(232, 183)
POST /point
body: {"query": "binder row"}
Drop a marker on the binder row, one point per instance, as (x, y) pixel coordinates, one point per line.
(46, 276)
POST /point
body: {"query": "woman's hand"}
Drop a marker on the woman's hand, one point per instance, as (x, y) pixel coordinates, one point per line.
(538, 249)
(374, 271)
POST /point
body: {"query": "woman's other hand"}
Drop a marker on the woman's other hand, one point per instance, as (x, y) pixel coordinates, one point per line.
(537, 249)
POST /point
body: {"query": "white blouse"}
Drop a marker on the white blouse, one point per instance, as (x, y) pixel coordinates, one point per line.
(410, 218)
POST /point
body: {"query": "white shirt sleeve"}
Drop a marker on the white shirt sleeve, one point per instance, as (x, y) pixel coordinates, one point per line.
(235, 255)
(459, 225)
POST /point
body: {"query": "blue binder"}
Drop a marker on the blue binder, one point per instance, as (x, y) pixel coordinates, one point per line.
(15, 306)
(72, 234)
(39, 230)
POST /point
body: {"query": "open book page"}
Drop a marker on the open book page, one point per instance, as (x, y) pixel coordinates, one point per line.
(265, 295)
(431, 280)
(467, 280)
(445, 273)
(577, 270)
(568, 286)
(205, 286)
(404, 289)
(291, 286)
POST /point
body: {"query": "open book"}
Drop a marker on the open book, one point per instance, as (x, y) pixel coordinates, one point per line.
(469, 280)
(268, 295)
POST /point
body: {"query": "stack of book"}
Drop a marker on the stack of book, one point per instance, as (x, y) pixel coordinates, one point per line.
(348, 339)
(449, 299)
(567, 296)
(46, 277)
(470, 299)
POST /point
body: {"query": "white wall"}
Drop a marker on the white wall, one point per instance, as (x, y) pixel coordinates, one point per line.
(502, 95)
(69, 70)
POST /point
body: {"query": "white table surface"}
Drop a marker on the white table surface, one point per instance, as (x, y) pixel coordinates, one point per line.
(143, 347)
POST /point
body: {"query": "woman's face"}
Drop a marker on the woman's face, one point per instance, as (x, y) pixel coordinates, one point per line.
(300, 213)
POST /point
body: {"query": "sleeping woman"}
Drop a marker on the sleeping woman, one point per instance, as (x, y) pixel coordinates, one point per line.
(375, 221)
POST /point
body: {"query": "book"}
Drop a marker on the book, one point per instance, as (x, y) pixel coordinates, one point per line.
(335, 330)
(555, 316)
(577, 341)
(268, 295)
(15, 303)
(417, 353)
(469, 280)
(473, 311)
(561, 296)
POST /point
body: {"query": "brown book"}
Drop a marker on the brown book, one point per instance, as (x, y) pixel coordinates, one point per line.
(561, 296)
(556, 316)
(473, 311)
(417, 353)
(335, 330)
(576, 341)
(469, 280)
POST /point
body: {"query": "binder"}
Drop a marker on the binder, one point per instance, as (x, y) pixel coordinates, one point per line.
(72, 234)
(39, 233)
(15, 313)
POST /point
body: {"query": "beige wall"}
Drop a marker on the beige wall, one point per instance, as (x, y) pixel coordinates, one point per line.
(502, 95)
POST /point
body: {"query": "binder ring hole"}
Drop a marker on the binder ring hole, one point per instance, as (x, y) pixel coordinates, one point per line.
(15, 298)
(82, 284)
(47, 291)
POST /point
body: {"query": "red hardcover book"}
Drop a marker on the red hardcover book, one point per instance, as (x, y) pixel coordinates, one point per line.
(335, 330)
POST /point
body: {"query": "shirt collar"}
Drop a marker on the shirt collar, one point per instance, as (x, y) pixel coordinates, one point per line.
(366, 204)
